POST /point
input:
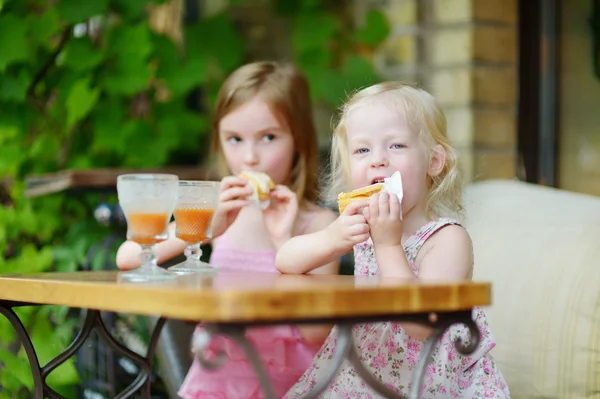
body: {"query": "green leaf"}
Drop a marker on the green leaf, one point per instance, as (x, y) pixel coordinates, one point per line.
(30, 260)
(142, 151)
(315, 58)
(8, 132)
(18, 369)
(359, 72)
(225, 47)
(179, 76)
(131, 44)
(13, 41)
(108, 124)
(129, 82)
(43, 26)
(27, 221)
(375, 30)
(131, 9)
(14, 88)
(75, 11)
(293, 7)
(81, 55)
(12, 157)
(326, 85)
(190, 75)
(46, 143)
(313, 30)
(80, 101)
(65, 378)
(166, 55)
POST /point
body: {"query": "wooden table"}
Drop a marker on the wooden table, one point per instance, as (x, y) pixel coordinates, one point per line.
(228, 302)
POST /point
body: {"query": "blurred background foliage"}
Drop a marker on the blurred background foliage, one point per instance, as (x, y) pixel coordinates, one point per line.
(128, 83)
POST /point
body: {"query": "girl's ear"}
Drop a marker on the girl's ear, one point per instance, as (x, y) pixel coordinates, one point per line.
(437, 161)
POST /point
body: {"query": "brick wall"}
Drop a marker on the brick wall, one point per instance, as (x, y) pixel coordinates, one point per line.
(465, 53)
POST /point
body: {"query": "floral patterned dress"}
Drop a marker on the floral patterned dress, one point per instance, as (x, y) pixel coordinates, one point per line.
(391, 355)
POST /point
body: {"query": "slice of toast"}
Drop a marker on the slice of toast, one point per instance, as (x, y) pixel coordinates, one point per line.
(262, 183)
(360, 193)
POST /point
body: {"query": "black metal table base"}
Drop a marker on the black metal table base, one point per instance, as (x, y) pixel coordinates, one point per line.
(346, 348)
(92, 321)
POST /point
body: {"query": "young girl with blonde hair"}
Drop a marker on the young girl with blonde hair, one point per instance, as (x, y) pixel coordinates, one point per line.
(262, 122)
(383, 129)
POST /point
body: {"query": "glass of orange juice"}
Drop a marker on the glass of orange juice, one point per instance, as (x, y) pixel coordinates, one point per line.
(193, 217)
(147, 201)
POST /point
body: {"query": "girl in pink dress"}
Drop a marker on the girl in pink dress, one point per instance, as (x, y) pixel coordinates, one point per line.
(387, 128)
(262, 122)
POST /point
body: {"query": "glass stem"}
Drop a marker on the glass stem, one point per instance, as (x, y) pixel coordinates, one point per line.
(193, 252)
(148, 256)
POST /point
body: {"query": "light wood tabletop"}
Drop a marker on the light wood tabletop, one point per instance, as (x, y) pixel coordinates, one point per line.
(245, 297)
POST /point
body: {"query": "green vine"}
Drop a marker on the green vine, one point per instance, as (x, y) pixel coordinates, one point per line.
(90, 84)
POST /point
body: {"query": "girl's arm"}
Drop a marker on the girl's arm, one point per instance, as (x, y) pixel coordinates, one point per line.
(308, 252)
(128, 253)
(446, 256)
(319, 223)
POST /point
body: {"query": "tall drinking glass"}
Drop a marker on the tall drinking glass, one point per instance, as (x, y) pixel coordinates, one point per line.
(147, 201)
(193, 217)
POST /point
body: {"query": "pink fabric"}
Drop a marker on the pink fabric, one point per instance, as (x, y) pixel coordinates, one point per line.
(284, 353)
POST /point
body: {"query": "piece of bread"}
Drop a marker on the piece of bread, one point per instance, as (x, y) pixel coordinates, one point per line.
(359, 194)
(262, 182)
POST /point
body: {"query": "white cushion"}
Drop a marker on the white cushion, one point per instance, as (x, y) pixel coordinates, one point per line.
(540, 249)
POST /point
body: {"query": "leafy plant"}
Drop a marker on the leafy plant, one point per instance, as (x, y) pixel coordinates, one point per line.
(91, 84)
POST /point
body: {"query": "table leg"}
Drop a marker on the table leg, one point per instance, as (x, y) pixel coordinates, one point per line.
(39, 383)
(93, 321)
(424, 360)
(345, 348)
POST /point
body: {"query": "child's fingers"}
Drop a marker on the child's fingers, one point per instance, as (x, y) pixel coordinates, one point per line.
(233, 205)
(367, 214)
(354, 207)
(374, 206)
(281, 195)
(395, 208)
(360, 238)
(359, 229)
(384, 204)
(234, 193)
(354, 219)
(232, 181)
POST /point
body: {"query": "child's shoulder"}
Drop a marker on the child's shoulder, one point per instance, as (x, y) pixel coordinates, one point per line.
(448, 231)
(449, 245)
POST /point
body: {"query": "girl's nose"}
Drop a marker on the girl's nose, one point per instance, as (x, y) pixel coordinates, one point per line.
(378, 160)
(251, 155)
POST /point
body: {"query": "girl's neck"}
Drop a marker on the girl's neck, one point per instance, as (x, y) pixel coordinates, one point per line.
(414, 219)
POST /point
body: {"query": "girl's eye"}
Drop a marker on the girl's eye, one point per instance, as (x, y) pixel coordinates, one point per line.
(361, 151)
(398, 146)
(269, 137)
(234, 139)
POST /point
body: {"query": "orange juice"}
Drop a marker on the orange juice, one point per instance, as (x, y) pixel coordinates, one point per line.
(193, 224)
(148, 228)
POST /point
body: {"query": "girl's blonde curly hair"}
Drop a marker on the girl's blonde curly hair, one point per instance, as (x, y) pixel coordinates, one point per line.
(425, 117)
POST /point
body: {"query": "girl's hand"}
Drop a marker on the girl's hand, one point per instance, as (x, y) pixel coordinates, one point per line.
(383, 216)
(281, 214)
(350, 228)
(232, 198)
